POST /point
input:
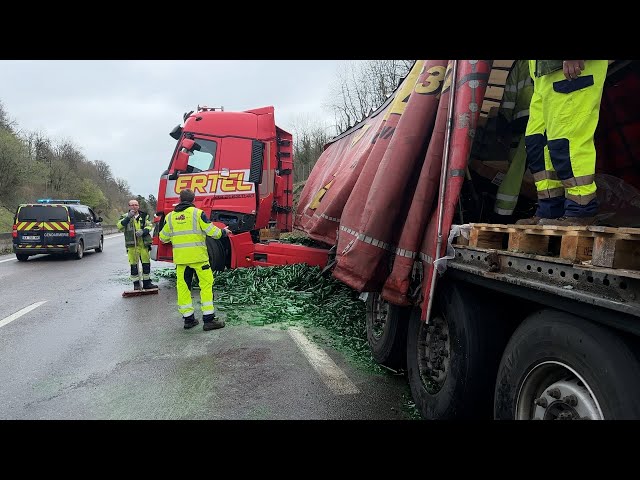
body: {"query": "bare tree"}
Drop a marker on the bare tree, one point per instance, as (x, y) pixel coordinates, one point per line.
(361, 87)
(309, 137)
(104, 171)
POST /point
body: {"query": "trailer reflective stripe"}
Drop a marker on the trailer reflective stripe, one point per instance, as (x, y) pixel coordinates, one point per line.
(426, 258)
(333, 219)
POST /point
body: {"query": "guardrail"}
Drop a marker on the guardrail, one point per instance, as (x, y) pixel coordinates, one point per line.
(6, 238)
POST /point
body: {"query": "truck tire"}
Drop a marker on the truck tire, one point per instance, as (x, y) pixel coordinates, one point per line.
(217, 258)
(559, 366)
(387, 331)
(22, 257)
(452, 362)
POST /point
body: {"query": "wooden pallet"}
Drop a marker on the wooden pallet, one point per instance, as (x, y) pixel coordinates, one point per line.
(601, 246)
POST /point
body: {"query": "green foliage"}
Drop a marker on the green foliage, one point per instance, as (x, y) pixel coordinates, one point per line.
(91, 195)
(6, 220)
(33, 166)
(13, 164)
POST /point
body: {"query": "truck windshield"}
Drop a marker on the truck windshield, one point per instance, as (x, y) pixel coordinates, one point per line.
(204, 158)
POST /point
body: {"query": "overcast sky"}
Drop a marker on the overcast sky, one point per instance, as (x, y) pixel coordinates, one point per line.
(121, 111)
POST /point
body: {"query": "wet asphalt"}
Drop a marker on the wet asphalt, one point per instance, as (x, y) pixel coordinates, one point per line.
(89, 353)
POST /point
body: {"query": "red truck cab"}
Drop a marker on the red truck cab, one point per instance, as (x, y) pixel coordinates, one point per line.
(240, 166)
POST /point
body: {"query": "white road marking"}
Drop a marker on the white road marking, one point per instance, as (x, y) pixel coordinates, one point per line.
(20, 313)
(9, 259)
(331, 374)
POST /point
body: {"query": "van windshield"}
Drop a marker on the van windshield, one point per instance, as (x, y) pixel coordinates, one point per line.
(41, 213)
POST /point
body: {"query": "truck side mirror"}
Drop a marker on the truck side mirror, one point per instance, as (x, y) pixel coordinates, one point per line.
(176, 132)
(181, 162)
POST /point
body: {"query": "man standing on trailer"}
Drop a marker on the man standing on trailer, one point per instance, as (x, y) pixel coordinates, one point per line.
(563, 116)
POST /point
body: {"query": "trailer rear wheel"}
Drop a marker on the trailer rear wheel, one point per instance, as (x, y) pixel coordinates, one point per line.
(387, 331)
(452, 362)
(557, 366)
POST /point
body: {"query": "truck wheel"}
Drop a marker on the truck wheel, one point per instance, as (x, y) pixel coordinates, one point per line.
(452, 362)
(387, 331)
(22, 257)
(100, 246)
(557, 366)
(216, 254)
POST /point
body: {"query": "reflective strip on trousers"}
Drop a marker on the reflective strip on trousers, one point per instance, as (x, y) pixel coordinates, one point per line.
(186, 310)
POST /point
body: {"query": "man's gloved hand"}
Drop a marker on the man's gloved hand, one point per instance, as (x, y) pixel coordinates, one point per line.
(138, 233)
(226, 231)
(131, 213)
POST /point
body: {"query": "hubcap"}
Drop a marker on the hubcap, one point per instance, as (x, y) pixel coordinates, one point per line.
(554, 391)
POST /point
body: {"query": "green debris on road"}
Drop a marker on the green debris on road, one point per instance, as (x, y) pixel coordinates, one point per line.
(294, 294)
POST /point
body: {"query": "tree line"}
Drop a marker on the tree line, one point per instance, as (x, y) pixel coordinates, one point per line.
(34, 166)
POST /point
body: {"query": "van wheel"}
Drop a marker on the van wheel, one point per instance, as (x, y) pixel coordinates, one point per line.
(217, 258)
(452, 362)
(22, 257)
(100, 247)
(387, 331)
(557, 366)
(80, 251)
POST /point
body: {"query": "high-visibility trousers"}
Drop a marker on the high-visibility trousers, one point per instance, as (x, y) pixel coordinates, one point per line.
(563, 116)
(205, 278)
(509, 189)
(135, 254)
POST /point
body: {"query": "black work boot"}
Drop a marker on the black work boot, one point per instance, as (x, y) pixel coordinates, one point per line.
(190, 321)
(210, 322)
(148, 285)
(136, 285)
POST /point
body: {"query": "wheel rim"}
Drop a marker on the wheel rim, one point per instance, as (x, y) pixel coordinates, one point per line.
(379, 315)
(101, 243)
(80, 250)
(434, 353)
(553, 390)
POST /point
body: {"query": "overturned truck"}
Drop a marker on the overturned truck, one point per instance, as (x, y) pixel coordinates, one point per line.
(488, 319)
